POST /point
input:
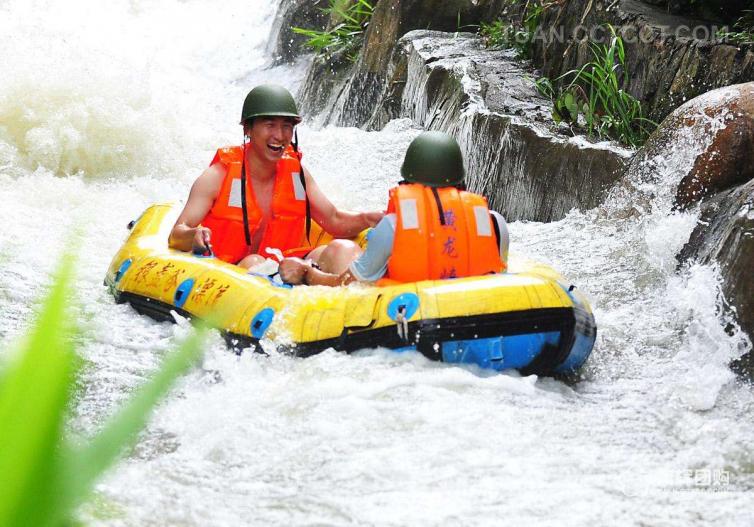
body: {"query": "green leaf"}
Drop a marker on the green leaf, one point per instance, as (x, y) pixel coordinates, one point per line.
(122, 430)
(42, 478)
(34, 397)
(556, 116)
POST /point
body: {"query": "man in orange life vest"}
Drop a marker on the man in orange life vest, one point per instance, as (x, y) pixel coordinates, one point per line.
(434, 229)
(258, 196)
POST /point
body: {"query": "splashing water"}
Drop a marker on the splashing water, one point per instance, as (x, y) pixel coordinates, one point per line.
(105, 109)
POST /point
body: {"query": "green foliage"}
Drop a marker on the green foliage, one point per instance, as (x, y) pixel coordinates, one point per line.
(44, 474)
(594, 96)
(544, 87)
(744, 30)
(500, 34)
(346, 35)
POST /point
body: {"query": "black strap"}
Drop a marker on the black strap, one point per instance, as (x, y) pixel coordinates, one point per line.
(243, 197)
(496, 227)
(302, 177)
(439, 205)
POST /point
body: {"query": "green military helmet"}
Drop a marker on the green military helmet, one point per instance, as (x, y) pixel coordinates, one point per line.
(269, 100)
(434, 159)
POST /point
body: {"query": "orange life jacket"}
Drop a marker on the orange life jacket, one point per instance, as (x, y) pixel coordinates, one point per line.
(450, 239)
(285, 228)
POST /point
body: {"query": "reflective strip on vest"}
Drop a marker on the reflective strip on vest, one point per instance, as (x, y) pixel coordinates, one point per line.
(482, 217)
(234, 198)
(409, 214)
(298, 189)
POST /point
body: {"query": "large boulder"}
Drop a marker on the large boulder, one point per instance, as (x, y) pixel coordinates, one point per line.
(687, 157)
(717, 129)
(729, 160)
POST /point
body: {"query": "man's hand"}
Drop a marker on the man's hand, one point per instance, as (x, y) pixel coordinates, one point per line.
(372, 218)
(201, 242)
(293, 270)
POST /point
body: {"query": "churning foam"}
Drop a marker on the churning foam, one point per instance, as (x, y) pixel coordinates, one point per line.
(115, 89)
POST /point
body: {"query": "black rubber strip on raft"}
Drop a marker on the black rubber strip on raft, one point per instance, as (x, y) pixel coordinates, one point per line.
(423, 334)
(156, 309)
(426, 334)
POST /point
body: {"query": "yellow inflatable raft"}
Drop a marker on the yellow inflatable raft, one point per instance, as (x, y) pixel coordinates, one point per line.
(528, 318)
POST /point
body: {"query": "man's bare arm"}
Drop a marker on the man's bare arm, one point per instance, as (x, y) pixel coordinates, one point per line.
(339, 223)
(186, 233)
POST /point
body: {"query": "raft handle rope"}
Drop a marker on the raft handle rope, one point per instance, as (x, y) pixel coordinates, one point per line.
(402, 323)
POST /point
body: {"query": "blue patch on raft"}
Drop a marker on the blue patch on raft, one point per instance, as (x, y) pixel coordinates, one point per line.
(261, 322)
(182, 292)
(122, 270)
(499, 353)
(407, 300)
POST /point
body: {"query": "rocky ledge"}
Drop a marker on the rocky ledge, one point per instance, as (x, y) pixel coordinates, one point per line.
(487, 100)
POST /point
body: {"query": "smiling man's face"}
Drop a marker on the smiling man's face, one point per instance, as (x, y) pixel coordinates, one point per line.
(269, 136)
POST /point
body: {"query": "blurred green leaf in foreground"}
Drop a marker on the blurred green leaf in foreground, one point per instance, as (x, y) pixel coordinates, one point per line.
(43, 475)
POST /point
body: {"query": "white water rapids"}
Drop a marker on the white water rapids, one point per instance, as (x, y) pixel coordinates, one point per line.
(107, 107)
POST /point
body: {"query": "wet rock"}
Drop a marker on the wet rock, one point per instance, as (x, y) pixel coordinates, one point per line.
(722, 176)
(702, 148)
(725, 234)
(729, 160)
(352, 89)
(487, 100)
(284, 45)
(669, 59)
(679, 155)
(323, 85)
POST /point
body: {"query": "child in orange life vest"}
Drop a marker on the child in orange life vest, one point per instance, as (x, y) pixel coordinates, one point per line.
(258, 196)
(433, 229)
